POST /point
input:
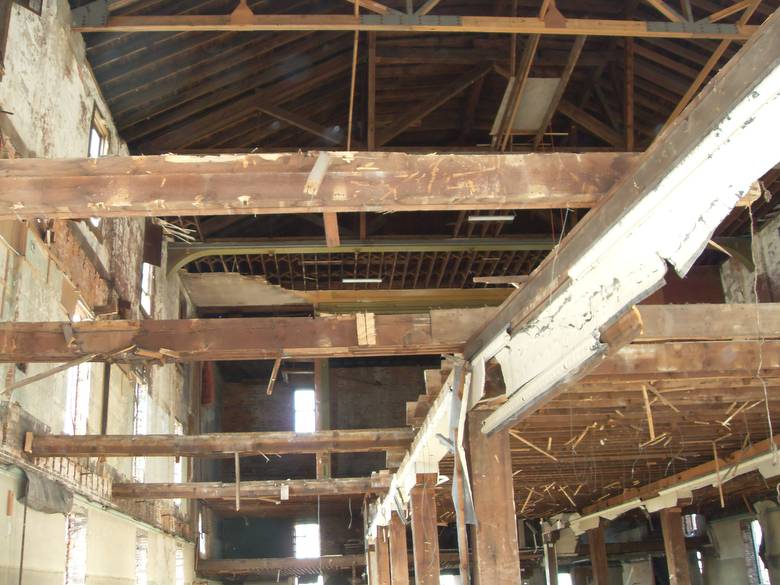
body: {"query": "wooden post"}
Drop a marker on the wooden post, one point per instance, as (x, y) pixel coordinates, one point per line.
(399, 556)
(371, 130)
(674, 545)
(382, 557)
(425, 533)
(598, 555)
(322, 412)
(495, 547)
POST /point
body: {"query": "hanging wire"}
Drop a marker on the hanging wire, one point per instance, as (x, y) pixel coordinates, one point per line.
(760, 337)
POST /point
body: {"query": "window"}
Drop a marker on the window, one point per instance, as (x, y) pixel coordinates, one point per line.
(178, 463)
(449, 579)
(564, 579)
(140, 427)
(147, 281)
(307, 546)
(78, 387)
(304, 404)
(179, 565)
(141, 558)
(752, 538)
(98, 135)
(76, 548)
(201, 536)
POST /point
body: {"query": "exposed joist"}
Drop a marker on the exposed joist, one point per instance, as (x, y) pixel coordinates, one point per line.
(683, 185)
(274, 183)
(666, 10)
(590, 123)
(431, 24)
(218, 444)
(274, 566)
(331, 222)
(299, 121)
(281, 490)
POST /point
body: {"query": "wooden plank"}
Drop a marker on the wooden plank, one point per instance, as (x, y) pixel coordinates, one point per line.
(295, 488)
(371, 98)
(299, 121)
(494, 540)
(425, 532)
(382, 547)
(446, 93)
(438, 24)
(399, 555)
(274, 373)
(674, 546)
(332, 237)
(374, 6)
(629, 94)
(274, 183)
(520, 78)
(220, 444)
(598, 556)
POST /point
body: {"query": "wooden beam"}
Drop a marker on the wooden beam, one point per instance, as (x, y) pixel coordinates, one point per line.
(376, 7)
(729, 10)
(446, 93)
(299, 121)
(629, 94)
(427, 24)
(274, 183)
(274, 373)
(598, 556)
(332, 238)
(494, 540)
(590, 123)
(666, 10)
(674, 546)
(294, 488)
(520, 78)
(425, 532)
(382, 547)
(287, 565)
(371, 93)
(219, 444)
(709, 66)
(571, 63)
(399, 554)
(433, 332)
(427, 7)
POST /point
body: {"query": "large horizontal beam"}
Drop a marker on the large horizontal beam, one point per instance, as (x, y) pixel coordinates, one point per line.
(430, 24)
(294, 488)
(243, 567)
(218, 444)
(276, 183)
(434, 332)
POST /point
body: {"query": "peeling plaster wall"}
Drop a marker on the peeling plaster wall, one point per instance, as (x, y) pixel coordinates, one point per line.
(51, 91)
(110, 545)
(738, 279)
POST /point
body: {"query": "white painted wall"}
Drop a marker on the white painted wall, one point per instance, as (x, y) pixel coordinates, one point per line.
(110, 545)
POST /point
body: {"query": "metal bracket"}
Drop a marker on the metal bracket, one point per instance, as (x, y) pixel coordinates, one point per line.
(409, 20)
(692, 27)
(93, 14)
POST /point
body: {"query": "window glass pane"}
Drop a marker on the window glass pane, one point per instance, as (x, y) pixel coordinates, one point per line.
(77, 391)
(147, 275)
(304, 411)
(307, 541)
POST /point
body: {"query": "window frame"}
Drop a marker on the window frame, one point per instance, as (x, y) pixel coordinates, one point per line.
(78, 390)
(100, 127)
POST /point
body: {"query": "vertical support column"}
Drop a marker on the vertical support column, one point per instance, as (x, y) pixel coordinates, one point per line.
(371, 106)
(425, 533)
(674, 545)
(399, 556)
(322, 411)
(550, 559)
(598, 555)
(629, 104)
(382, 557)
(495, 546)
